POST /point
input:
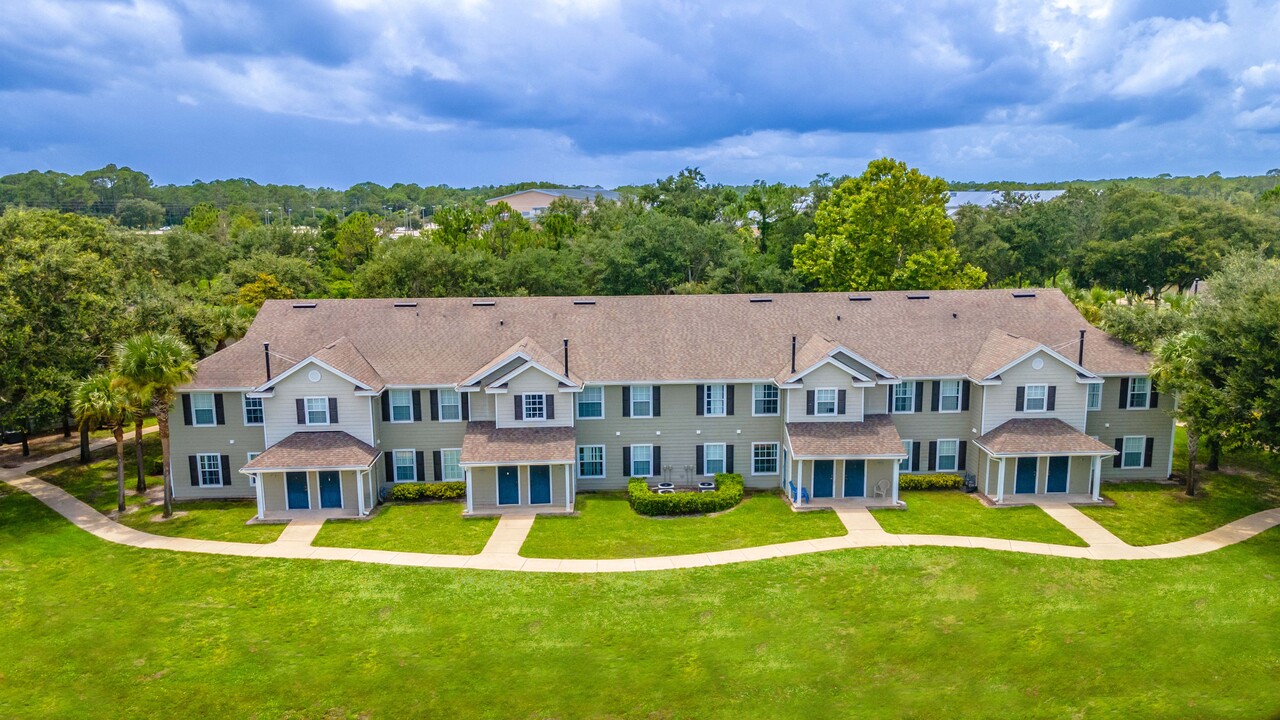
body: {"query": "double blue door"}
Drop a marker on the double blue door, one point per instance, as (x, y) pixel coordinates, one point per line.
(539, 484)
(1059, 468)
(296, 495)
(1025, 478)
(508, 485)
(330, 489)
(824, 478)
(855, 478)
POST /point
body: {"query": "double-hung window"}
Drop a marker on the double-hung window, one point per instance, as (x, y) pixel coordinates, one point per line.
(1135, 448)
(764, 459)
(202, 412)
(317, 411)
(591, 403)
(253, 479)
(1139, 393)
(450, 405)
(253, 414)
(450, 469)
(1095, 397)
(641, 401)
(764, 399)
(406, 466)
(824, 401)
(904, 465)
(713, 458)
(949, 396)
(590, 461)
(641, 460)
(713, 402)
(401, 405)
(210, 467)
(948, 452)
(1036, 398)
(535, 406)
(904, 397)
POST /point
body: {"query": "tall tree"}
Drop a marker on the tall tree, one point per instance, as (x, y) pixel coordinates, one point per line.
(100, 401)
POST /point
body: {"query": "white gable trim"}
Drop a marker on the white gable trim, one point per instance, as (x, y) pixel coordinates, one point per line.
(864, 361)
(860, 379)
(1044, 349)
(309, 361)
(531, 364)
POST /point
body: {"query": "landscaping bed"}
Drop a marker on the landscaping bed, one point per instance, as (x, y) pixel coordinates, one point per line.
(950, 512)
(418, 527)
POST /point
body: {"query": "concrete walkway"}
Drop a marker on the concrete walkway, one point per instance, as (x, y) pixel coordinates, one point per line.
(502, 550)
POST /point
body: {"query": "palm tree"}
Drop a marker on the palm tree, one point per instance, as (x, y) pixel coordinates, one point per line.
(1177, 370)
(100, 401)
(139, 418)
(153, 365)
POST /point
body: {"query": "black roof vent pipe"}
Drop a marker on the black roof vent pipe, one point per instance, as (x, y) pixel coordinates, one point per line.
(1080, 356)
(793, 354)
(266, 355)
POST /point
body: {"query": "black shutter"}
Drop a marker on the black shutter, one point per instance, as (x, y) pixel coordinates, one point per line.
(700, 460)
(1124, 393)
(626, 401)
(1155, 396)
(840, 401)
(1150, 452)
(626, 461)
(933, 455)
(333, 410)
(808, 402)
(226, 469)
(1022, 398)
(888, 403)
(1115, 461)
(519, 407)
(219, 411)
(417, 406)
(728, 399)
(964, 394)
(657, 400)
(466, 406)
(1052, 399)
(433, 397)
(699, 392)
(964, 452)
(420, 459)
(934, 403)
(302, 411)
(915, 456)
(389, 464)
(186, 409)
(728, 458)
(385, 401)
(657, 460)
(919, 396)
(195, 470)
(437, 465)
(550, 402)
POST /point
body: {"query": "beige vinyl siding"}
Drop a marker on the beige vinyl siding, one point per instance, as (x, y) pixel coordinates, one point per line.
(534, 381)
(281, 409)
(275, 492)
(484, 488)
(875, 400)
(1111, 422)
(679, 427)
(525, 202)
(234, 439)
(480, 406)
(827, 376)
(426, 435)
(1002, 399)
(927, 426)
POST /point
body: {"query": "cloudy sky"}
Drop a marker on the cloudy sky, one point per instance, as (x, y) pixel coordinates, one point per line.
(467, 92)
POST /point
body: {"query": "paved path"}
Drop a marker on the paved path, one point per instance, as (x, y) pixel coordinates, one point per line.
(501, 552)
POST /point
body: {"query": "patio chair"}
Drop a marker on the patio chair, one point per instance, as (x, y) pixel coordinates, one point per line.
(881, 489)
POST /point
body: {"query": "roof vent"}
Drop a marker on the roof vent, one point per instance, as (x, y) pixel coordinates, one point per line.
(406, 304)
(859, 298)
(303, 306)
(1024, 294)
(584, 302)
(917, 297)
(483, 303)
(761, 299)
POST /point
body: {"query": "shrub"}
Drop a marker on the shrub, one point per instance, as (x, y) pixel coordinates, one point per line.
(417, 492)
(644, 501)
(930, 481)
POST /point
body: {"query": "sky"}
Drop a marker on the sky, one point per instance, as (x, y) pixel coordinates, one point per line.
(469, 92)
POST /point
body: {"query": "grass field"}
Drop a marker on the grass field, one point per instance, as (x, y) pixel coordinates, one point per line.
(951, 512)
(426, 528)
(607, 527)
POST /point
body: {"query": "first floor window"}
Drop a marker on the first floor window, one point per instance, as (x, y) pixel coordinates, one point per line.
(406, 466)
(1135, 447)
(904, 465)
(641, 460)
(253, 410)
(591, 461)
(904, 397)
(202, 409)
(824, 401)
(401, 405)
(1036, 398)
(450, 469)
(210, 465)
(949, 396)
(535, 407)
(1095, 397)
(591, 402)
(1139, 392)
(713, 458)
(253, 479)
(317, 411)
(948, 451)
(764, 459)
(764, 399)
(713, 403)
(450, 405)
(641, 401)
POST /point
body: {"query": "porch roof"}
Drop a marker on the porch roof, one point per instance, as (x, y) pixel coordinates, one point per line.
(487, 444)
(875, 436)
(1040, 436)
(325, 450)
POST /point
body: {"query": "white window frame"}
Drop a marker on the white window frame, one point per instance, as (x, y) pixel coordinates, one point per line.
(1146, 394)
(755, 458)
(760, 394)
(584, 399)
(201, 469)
(407, 405)
(534, 401)
(954, 455)
(253, 479)
(706, 459)
(709, 400)
(944, 396)
(1124, 452)
(306, 406)
(1093, 398)
(909, 396)
(818, 402)
(649, 401)
(395, 465)
(648, 449)
(244, 410)
(1044, 398)
(195, 410)
(904, 465)
(603, 466)
(445, 465)
(443, 398)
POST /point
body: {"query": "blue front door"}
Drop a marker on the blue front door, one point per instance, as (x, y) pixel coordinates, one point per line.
(296, 495)
(330, 489)
(1058, 470)
(508, 486)
(539, 484)
(855, 478)
(824, 472)
(1025, 479)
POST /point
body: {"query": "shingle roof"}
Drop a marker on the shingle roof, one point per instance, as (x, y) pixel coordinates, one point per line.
(485, 443)
(343, 355)
(875, 436)
(575, 193)
(530, 349)
(671, 337)
(309, 450)
(999, 349)
(1040, 436)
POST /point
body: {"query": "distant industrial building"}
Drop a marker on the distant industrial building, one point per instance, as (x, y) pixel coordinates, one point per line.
(987, 198)
(532, 203)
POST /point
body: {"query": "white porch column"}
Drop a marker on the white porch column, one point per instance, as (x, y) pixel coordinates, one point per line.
(1000, 481)
(1097, 477)
(467, 473)
(799, 482)
(360, 491)
(896, 470)
(568, 492)
(258, 493)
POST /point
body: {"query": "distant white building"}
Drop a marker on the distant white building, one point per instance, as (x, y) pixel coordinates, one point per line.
(533, 202)
(987, 198)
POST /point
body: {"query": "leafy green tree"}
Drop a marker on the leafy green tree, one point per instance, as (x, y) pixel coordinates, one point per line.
(263, 288)
(302, 277)
(1142, 326)
(140, 213)
(415, 267)
(1181, 369)
(203, 218)
(354, 242)
(99, 401)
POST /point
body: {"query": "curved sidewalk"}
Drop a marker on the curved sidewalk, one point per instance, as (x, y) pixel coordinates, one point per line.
(864, 532)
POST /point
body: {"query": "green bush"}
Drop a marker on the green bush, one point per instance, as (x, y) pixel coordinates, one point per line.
(418, 492)
(644, 501)
(930, 481)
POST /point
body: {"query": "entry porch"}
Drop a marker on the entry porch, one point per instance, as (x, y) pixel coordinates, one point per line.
(842, 464)
(1031, 461)
(313, 475)
(518, 471)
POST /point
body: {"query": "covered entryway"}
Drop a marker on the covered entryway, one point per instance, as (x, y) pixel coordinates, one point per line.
(539, 484)
(855, 478)
(1045, 457)
(330, 489)
(1025, 480)
(842, 463)
(1059, 474)
(314, 474)
(518, 470)
(298, 494)
(824, 478)
(508, 485)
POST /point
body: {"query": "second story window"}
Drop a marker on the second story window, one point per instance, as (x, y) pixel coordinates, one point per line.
(764, 399)
(642, 401)
(591, 403)
(450, 405)
(1095, 397)
(401, 405)
(202, 412)
(1036, 398)
(904, 397)
(824, 401)
(317, 411)
(535, 407)
(1139, 393)
(253, 414)
(713, 402)
(949, 396)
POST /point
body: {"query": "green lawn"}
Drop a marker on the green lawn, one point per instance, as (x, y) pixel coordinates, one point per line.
(426, 528)
(1155, 513)
(606, 527)
(951, 512)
